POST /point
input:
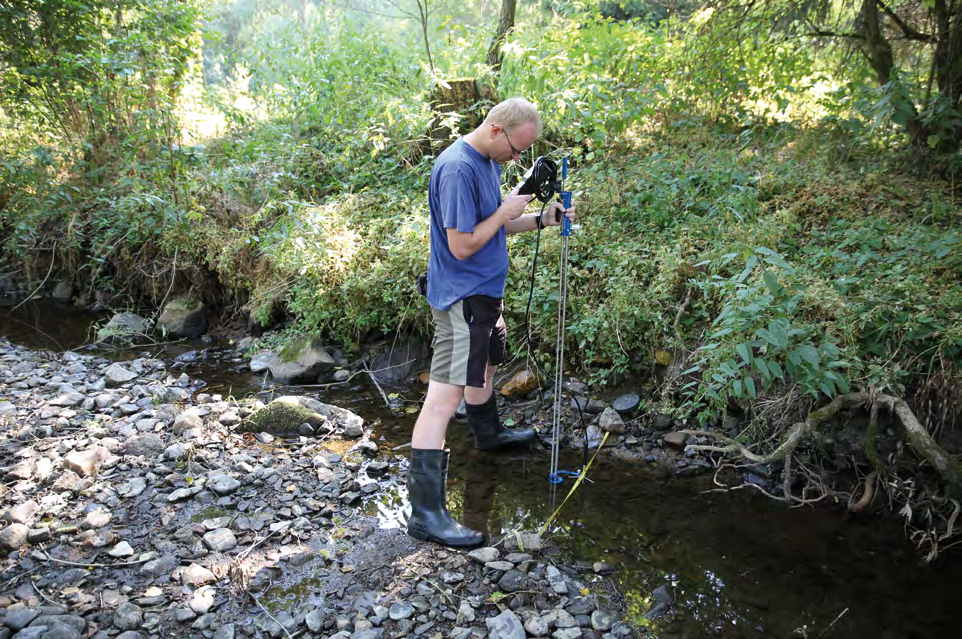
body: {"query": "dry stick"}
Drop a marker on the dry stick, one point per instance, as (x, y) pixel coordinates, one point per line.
(49, 271)
(74, 563)
(43, 594)
(439, 589)
(267, 612)
(258, 543)
(373, 379)
(678, 316)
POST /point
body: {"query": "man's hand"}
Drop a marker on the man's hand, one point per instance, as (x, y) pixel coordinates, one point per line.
(513, 205)
(552, 217)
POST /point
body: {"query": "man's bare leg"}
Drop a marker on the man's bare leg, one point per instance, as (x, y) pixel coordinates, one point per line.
(439, 407)
(475, 395)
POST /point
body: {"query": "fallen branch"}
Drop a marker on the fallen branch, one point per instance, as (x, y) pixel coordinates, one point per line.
(47, 557)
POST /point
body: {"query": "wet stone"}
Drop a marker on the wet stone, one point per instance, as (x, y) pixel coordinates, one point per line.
(603, 619)
(513, 581)
(129, 616)
(484, 555)
(19, 616)
(505, 626)
(401, 610)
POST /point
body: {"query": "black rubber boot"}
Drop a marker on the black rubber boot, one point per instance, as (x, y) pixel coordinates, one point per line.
(430, 518)
(489, 434)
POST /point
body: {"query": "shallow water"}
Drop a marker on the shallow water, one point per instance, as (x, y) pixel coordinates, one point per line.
(738, 565)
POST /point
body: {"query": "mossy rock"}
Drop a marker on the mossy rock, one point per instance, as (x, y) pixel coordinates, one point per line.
(183, 317)
(284, 417)
(286, 414)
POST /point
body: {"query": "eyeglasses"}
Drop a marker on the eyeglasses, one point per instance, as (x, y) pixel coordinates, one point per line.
(514, 151)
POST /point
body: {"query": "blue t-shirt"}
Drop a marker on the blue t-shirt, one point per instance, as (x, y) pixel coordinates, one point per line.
(465, 189)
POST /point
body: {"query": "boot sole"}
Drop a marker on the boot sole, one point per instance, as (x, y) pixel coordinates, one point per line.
(426, 537)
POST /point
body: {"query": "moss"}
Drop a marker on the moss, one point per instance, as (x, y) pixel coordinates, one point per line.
(281, 417)
(291, 351)
(184, 305)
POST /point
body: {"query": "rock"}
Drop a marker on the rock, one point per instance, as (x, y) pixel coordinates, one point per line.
(675, 439)
(187, 421)
(400, 610)
(303, 360)
(662, 594)
(225, 632)
(196, 575)
(222, 484)
(465, 612)
(394, 366)
(159, 567)
(121, 550)
(603, 619)
(661, 422)
(484, 555)
(626, 404)
(21, 513)
(499, 565)
(62, 292)
(537, 626)
(261, 361)
(19, 616)
(88, 462)
(286, 414)
(178, 451)
(505, 626)
(7, 409)
(133, 488)
(567, 633)
(353, 430)
(147, 445)
(520, 385)
(522, 542)
(611, 422)
(123, 327)
(97, 516)
(68, 399)
(129, 616)
(220, 540)
(117, 375)
(183, 317)
(315, 620)
(13, 537)
(513, 581)
(203, 600)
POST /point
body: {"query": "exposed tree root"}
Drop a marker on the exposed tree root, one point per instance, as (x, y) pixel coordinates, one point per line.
(867, 495)
(948, 468)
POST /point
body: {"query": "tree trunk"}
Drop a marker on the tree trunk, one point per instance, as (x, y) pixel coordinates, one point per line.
(495, 56)
(948, 59)
(878, 50)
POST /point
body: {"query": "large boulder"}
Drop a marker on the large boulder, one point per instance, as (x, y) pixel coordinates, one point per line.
(394, 366)
(183, 317)
(302, 360)
(286, 414)
(123, 327)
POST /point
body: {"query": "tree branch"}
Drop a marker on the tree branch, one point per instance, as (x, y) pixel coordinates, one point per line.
(910, 32)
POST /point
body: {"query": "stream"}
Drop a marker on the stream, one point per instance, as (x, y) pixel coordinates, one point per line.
(733, 564)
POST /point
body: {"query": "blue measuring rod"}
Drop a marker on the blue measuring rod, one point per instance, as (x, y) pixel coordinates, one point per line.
(565, 198)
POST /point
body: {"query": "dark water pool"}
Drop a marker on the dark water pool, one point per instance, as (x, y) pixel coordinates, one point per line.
(737, 565)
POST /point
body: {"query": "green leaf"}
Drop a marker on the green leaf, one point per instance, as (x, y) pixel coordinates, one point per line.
(746, 355)
(810, 355)
(776, 370)
(750, 384)
(771, 281)
(737, 386)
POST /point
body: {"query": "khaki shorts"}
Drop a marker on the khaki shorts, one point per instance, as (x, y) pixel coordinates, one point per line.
(468, 337)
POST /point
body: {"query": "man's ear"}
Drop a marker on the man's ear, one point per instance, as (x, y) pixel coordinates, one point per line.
(495, 130)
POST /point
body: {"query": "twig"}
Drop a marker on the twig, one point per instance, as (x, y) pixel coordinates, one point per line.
(43, 594)
(829, 626)
(258, 543)
(267, 612)
(437, 587)
(374, 379)
(49, 271)
(74, 563)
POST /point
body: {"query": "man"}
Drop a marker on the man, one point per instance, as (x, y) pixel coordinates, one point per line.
(466, 278)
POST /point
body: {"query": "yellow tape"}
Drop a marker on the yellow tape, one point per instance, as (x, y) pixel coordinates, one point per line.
(575, 486)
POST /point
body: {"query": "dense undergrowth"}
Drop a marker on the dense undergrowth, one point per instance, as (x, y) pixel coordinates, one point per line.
(754, 227)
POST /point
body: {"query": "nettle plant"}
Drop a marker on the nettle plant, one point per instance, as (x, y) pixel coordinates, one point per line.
(762, 338)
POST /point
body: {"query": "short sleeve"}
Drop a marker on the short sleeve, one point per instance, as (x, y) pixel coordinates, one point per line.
(459, 200)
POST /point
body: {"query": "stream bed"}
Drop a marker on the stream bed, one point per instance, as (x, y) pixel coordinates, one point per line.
(732, 564)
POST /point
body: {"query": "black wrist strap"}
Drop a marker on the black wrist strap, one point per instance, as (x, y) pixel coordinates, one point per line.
(540, 221)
